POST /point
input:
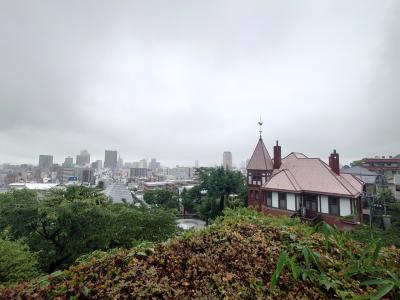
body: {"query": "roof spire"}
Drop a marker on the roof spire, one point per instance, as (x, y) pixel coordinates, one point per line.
(260, 123)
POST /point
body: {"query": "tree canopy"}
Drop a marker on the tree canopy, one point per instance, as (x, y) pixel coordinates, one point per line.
(66, 224)
(161, 198)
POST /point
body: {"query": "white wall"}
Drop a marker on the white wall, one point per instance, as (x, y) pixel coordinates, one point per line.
(345, 207)
(324, 204)
(290, 201)
(275, 199)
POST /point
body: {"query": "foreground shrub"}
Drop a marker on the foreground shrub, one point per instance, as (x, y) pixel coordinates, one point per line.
(243, 255)
(17, 263)
(64, 225)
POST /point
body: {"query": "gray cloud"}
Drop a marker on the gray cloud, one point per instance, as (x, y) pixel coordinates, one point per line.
(186, 80)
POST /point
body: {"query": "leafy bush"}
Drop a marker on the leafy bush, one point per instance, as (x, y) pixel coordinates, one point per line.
(17, 263)
(242, 255)
(390, 237)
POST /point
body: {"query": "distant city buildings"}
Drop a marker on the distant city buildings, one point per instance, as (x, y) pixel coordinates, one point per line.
(81, 171)
(227, 160)
(153, 164)
(83, 158)
(97, 165)
(143, 163)
(68, 162)
(45, 161)
(110, 159)
(387, 166)
(138, 173)
(120, 163)
(87, 176)
(181, 173)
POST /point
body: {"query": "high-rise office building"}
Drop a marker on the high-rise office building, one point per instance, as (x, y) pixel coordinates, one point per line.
(120, 163)
(153, 164)
(227, 160)
(196, 163)
(138, 173)
(45, 161)
(68, 162)
(83, 158)
(143, 163)
(110, 159)
(87, 176)
(97, 165)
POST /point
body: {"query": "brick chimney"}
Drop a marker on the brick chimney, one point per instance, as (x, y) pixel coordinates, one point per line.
(334, 162)
(277, 156)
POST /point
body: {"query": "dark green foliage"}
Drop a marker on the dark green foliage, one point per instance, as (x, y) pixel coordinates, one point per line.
(17, 263)
(224, 188)
(66, 224)
(384, 195)
(243, 255)
(364, 234)
(356, 163)
(191, 199)
(161, 198)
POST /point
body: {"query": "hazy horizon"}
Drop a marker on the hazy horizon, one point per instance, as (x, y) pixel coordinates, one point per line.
(186, 80)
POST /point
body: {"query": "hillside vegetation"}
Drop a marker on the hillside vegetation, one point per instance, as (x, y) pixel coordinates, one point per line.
(243, 255)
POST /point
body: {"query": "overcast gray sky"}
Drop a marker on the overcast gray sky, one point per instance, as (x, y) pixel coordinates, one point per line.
(186, 80)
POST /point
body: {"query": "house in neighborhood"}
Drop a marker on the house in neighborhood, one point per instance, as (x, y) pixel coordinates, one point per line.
(297, 184)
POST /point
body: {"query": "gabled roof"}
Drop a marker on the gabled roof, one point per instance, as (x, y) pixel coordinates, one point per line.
(284, 180)
(260, 160)
(312, 175)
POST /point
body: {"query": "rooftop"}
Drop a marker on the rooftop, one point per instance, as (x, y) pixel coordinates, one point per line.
(299, 173)
(260, 160)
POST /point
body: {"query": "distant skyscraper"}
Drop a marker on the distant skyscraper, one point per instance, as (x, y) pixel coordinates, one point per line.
(153, 164)
(87, 176)
(45, 161)
(143, 163)
(196, 164)
(83, 158)
(110, 159)
(97, 165)
(120, 163)
(138, 172)
(68, 162)
(227, 160)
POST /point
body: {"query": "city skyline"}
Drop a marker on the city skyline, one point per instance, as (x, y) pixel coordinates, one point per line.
(150, 81)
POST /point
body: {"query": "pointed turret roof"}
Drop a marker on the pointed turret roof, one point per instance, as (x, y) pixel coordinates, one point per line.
(260, 160)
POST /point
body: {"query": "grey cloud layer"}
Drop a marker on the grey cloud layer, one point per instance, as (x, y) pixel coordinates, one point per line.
(186, 80)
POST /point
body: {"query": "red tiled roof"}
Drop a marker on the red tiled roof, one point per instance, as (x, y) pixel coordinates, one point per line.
(301, 174)
(284, 180)
(260, 160)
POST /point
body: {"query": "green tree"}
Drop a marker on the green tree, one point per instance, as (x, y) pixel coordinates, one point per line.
(208, 208)
(17, 262)
(221, 183)
(356, 163)
(384, 195)
(161, 197)
(190, 199)
(79, 220)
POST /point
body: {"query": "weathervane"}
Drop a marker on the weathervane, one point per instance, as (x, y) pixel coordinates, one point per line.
(260, 123)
